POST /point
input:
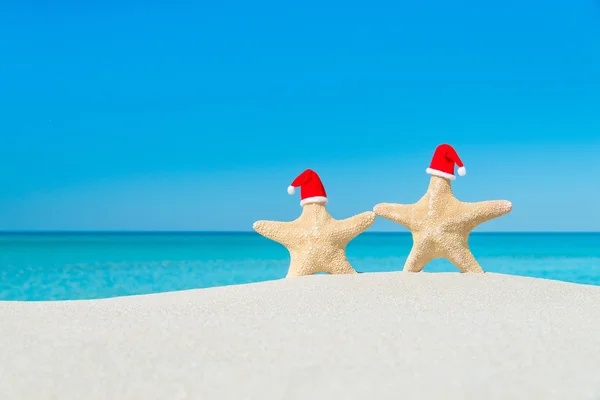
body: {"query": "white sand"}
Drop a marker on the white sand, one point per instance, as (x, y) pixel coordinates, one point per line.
(381, 336)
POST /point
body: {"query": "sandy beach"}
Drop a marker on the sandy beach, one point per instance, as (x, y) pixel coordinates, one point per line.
(383, 336)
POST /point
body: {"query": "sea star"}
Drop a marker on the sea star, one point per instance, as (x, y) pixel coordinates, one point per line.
(316, 241)
(441, 224)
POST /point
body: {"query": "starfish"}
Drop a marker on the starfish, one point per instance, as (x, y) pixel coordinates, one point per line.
(441, 224)
(316, 241)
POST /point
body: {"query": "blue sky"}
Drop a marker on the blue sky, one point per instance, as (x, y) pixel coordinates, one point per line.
(124, 115)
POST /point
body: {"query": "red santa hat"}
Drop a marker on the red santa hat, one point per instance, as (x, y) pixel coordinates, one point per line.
(311, 188)
(443, 161)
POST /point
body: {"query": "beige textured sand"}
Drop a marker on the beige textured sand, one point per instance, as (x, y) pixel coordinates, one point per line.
(381, 336)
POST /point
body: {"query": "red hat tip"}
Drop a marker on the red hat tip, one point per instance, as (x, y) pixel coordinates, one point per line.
(311, 188)
(443, 162)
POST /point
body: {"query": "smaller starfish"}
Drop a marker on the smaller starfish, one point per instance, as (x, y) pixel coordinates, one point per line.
(440, 223)
(316, 241)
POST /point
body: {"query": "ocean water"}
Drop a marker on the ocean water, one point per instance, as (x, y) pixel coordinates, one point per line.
(66, 266)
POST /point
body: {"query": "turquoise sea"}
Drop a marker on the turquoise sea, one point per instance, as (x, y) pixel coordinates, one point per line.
(61, 266)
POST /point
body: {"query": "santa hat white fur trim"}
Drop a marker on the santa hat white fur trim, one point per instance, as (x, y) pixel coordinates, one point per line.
(314, 199)
(440, 174)
(291, 190)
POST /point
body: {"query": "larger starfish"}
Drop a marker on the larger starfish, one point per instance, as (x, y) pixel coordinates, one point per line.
(441, 224)
(316, 241)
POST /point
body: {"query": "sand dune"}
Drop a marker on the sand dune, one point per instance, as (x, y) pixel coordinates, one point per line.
(382, 336)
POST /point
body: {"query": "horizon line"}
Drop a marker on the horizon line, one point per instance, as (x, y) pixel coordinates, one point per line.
(66, 231)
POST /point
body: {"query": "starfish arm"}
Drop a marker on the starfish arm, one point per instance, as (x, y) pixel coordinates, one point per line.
(341, 267)
(280, 232)
(463, 259)
(483, 211)
(307, 261)
(336, 265)
(339, 264)
(399, 213)
(418, 257)
(355, 225)
(299, 265)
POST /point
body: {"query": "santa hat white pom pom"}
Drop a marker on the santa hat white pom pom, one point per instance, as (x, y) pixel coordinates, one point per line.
(462, 171)
(291, 190)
